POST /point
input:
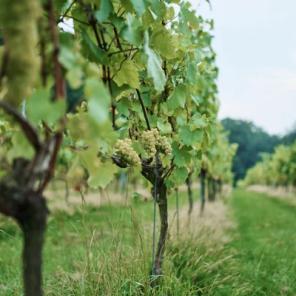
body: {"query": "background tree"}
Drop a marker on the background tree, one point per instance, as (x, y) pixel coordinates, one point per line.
(276, 169)
(251, 140)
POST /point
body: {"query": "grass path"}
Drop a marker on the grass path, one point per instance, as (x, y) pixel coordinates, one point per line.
(91, 251)
(106, 250)
(265, 243)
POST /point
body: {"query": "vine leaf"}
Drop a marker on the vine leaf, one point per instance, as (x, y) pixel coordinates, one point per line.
(189, 137)
(178, 176)
(182, 156)
(133, 32)
(102, 177)
(98, 100)
(164, 43)
(40, 107)
(139, 6)
(154, 66)
(128, 74)
(92, 51)
(105, 10)
(177, 98)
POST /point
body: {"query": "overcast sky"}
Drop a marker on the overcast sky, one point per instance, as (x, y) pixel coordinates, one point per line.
(255, 43)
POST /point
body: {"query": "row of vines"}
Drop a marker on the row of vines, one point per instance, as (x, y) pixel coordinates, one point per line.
(277, 169)
(90, 88)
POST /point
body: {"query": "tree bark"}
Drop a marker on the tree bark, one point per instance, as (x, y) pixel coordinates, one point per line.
(220, 187)
(190, 195)
(163, 213)
(202, 190)
(29, 210)
(155, 175)
(32, 220)
(211, 189)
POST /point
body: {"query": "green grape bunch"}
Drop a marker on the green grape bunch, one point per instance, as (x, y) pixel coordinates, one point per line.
(164, 146)
(148, 140)
(125, 151)
(152, 142)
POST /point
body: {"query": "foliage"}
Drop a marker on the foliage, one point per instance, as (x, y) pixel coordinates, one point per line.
(289, 137)
(277, 169)
(217, 162)
(131, 83)
(122, 55)
(251, 141)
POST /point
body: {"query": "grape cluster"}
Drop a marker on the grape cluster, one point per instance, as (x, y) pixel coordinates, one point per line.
(152, 141)
(125, 151)
(148, 139)
(164, 145)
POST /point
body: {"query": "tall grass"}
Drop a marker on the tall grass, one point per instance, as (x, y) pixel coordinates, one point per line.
(107, 251)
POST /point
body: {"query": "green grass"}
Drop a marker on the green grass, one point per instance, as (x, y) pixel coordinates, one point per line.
(107, 251)
(104, 251)
(265, 243)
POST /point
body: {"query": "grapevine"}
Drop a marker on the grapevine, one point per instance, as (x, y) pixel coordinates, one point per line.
(125, 151)
(130, 84)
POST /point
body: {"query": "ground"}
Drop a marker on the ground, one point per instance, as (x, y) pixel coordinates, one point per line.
(242, 245)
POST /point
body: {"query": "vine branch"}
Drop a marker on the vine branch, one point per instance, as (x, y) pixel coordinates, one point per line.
(60, 90)
(144, 109)
(29, 131)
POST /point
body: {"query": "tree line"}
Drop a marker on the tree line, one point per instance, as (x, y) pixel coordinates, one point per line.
(252, 141)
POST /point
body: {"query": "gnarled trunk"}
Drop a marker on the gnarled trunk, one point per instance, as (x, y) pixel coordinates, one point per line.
(190, 195)
(211, 189)
(32, 220)
(154, 173)
(163, 213)
(29, 210)
(202, 190)
(220, 187)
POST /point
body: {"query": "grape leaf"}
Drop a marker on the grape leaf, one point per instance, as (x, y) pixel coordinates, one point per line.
(98, 100)
(178, 177)
(102, 176)
(133, 32)
(182, 155)
(128, 74)
(164, 43)
(177, 98)
(91, 50)
(139, 6)
(189, 137)
(154, 66)
(39, 107)
(105, 10)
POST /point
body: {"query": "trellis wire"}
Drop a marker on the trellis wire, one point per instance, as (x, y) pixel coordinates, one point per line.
(177, 212)
(154, 209)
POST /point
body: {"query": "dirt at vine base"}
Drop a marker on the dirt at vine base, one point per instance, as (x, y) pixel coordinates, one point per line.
(289, 194)
(57, 199)
(213, 222)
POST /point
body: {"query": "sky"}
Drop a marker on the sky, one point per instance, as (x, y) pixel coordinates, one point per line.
(255, 43)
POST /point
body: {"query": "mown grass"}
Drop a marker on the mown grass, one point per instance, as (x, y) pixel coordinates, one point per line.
(107, 251)
(266, 243)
